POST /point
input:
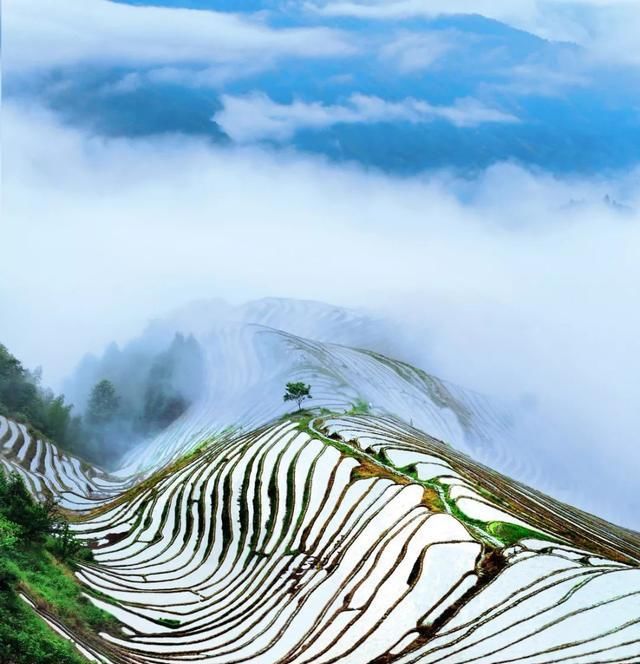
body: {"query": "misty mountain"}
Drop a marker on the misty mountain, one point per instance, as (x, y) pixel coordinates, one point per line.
(128, 394)
(345, 531)
(201, 458)
(495, 93)
(250, 351)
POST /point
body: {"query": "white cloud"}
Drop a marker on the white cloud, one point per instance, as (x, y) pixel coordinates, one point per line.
(519, 13)
(513, 291)
(215, 77)
(616, 34)
(44, 34)
(541, 80)
(126, 84)
(608, 29)
(208, 77)
(255, 116)
(412, 52)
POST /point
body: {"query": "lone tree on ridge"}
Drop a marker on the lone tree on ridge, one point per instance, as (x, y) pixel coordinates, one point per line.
(297, 392)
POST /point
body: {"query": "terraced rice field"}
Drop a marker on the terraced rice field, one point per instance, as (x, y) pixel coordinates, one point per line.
(340, 538)
(49, 471)
(248, 366)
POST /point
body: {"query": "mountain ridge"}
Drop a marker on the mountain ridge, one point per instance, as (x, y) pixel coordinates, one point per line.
(493, 529)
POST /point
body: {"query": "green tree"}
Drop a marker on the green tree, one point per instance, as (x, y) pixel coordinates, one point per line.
(10, 533)
(10, 536)
(18, 506)
(23, 398)
(17, 392)
(297, 392)
(65, 545)
(25, 521)
(103, 403)
(58, 415)
(174, 381)
(162, 401)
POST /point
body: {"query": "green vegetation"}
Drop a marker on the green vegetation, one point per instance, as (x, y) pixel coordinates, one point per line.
(103, 403)
(170, 622)
(26, 639)
(510, 533)
(303, 419)
(360, 407)
(37, 554)
(125, 397)
(495, 533)
(297, 392)
(437, 494)
(23, 399)
(133, 394)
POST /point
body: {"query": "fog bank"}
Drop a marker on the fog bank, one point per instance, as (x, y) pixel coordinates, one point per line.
(513, 283)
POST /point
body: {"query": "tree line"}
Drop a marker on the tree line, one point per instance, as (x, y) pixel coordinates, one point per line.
(122, 407)
(23, 398)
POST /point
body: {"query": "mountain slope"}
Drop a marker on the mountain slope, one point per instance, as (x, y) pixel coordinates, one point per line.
(359, 532)
(354, 538)
(249, 365)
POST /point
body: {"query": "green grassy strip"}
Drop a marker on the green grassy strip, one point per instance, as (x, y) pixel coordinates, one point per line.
(499, 534)
(25, 638)
(53, 583)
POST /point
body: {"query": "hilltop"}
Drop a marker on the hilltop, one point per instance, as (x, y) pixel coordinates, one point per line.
(360, 531)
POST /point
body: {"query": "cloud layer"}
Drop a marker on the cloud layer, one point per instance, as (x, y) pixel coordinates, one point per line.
(514, 283)
(70, 33)
(321, 77)
(607, 28)
(255, 116)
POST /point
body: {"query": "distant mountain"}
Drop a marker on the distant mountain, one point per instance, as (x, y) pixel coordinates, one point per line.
(545, 104)
(252, 349)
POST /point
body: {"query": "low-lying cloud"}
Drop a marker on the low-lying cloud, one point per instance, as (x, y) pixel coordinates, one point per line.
(608, 29)
(412, 52)
(514, 283)
(255, 116)
(49, 34)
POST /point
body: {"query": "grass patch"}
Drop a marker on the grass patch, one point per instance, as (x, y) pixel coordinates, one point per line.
(360, 407)
(510, 533)
(52, 583)
(26, 639)
(170, 622)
